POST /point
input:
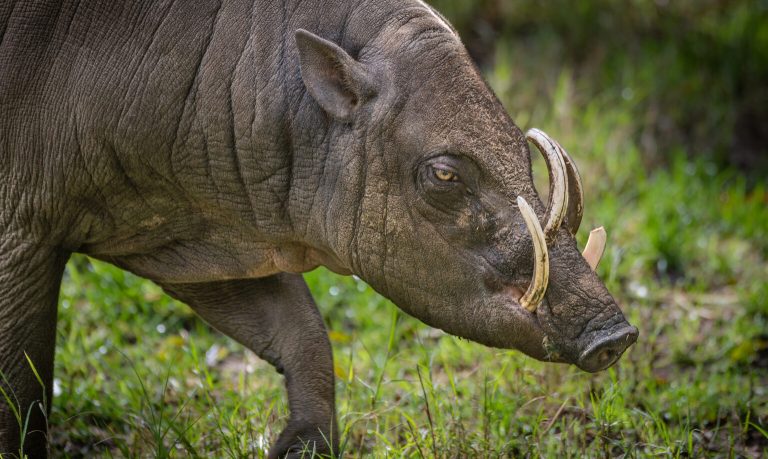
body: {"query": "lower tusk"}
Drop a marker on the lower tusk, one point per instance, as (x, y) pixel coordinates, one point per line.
(535, 293)
(593, 252)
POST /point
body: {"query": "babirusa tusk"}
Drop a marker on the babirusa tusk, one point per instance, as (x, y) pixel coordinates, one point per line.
(575, 193)
(558, 182)
(593, 252)
(535, 293)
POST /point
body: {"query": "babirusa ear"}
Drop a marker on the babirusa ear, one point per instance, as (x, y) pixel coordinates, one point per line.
(334, 79)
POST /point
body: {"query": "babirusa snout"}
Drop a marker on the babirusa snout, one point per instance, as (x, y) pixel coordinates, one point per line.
(535, 293)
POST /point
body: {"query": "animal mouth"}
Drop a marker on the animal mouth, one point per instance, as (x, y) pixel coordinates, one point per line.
(600, 354)
(514, 292)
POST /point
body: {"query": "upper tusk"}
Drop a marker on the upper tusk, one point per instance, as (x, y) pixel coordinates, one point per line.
(593, 251)
(575, 193)
(535, 293)
(558, 184)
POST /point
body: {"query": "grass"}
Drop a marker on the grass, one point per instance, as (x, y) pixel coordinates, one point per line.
(138, 375)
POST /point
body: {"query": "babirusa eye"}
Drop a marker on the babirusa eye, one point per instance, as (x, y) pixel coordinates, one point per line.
(445, 175)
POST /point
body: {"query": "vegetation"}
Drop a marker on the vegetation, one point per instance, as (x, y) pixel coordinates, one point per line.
(648, 98)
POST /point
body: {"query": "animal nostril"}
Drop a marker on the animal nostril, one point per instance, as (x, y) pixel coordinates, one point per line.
(607, 350)
(606, 357)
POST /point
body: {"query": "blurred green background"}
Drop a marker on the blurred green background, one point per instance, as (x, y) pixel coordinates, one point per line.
(693, 74)
(664, 106)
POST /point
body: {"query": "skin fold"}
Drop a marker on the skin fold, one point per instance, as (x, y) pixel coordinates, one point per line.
(221, 148)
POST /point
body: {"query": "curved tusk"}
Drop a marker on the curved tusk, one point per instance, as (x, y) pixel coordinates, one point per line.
(558, 184)
(593, 252)
(535, 293)
(575, 193)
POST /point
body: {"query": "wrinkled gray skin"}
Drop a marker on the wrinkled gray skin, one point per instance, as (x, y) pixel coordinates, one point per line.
(220, 151)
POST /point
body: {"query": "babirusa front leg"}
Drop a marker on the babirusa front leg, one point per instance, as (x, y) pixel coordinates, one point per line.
(277, 319)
